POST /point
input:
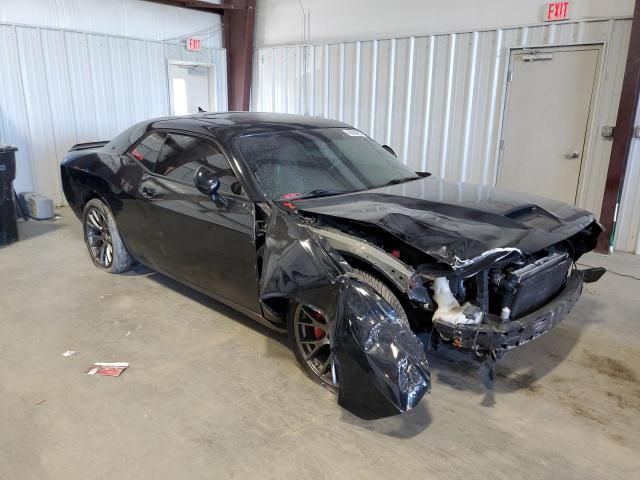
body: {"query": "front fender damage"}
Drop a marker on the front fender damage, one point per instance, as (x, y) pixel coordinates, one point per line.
(381, 367)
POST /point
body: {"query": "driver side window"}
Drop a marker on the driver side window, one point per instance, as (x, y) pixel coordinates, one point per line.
(182, 155)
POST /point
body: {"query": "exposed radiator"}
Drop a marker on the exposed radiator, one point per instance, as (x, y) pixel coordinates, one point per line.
(530, 287)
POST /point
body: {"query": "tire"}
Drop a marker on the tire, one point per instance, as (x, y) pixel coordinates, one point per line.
(302, 336)
(385, 292)
(103, 239)
(299, 333)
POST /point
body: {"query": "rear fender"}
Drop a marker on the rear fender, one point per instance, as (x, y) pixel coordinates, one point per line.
(80, 187)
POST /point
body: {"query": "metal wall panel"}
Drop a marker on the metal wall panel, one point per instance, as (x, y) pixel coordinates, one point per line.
(61, 87)
(125, 18)
(438, 100)
(628, 226)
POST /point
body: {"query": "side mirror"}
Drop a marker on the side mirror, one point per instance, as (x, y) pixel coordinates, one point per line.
(390, 150)
(208, 183)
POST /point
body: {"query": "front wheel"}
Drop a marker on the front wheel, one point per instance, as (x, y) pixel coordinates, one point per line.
(103, 239)
(385, 292)
(310, 339)
(309, 333)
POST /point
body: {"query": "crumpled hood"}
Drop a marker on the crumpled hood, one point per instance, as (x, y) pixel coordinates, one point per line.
(455, 222)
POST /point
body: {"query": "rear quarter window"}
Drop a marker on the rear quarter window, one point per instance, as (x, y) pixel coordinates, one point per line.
(124, 140)
(146, 152)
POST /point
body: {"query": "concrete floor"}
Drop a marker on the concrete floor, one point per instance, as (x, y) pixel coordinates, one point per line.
(210, 394)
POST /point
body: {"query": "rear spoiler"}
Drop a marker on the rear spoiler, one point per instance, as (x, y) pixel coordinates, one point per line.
(86, 146)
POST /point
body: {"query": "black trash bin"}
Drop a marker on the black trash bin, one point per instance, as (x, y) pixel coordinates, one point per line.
(8, 218)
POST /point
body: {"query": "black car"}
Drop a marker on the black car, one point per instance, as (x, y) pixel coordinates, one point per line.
(310, 227)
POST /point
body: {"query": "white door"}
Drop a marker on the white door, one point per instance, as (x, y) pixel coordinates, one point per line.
(190, 88)
(545, 124)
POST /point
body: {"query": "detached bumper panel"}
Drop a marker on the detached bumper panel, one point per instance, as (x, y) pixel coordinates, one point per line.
(501, 337)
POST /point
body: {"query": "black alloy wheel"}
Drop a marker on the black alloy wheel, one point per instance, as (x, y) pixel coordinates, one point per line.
(98, 237)
(310, 335)
(103, 239)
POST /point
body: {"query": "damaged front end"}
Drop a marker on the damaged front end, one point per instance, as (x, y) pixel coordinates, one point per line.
(482, 269)
(507, 298)
(484, 282)
(507, 304)
(379, 365)
(488, 304)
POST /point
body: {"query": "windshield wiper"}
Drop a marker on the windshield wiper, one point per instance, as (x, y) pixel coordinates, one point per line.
(395, 181)
(320, 192)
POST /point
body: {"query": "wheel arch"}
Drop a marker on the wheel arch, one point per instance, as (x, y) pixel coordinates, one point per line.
(367, 266)
(411, 309)
(95, 187)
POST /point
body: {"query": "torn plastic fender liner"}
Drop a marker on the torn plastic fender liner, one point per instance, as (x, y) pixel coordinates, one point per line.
(381, 366)
(296, 266)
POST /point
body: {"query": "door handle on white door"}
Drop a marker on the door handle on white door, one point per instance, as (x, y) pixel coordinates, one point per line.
(572, 155)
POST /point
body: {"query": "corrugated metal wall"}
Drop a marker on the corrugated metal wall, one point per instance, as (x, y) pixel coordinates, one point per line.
(438, 99)
(126, 18)
(628, 227)
(61, 87)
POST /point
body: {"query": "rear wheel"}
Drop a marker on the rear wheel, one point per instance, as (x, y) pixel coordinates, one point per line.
(103, 239)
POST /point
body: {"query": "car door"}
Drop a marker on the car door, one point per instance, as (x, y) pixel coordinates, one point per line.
(210, 245)
(135, 167)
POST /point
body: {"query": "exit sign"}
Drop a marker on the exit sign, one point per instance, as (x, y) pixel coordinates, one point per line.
(556, 11)
(194, 44)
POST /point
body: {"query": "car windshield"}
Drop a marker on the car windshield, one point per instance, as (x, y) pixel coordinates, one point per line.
(315, 162)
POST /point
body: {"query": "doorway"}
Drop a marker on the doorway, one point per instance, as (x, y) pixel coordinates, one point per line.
(191, 87)
(547, 110)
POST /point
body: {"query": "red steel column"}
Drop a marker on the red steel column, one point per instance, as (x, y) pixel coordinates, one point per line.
(623, 134)
(239, 21)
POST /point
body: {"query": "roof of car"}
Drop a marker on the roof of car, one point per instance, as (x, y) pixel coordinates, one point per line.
(232, 124)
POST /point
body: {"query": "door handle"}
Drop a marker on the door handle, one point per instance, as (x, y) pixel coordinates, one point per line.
(148, 192)
(573, 155)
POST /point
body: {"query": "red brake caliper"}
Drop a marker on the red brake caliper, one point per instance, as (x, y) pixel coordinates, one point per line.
(317, 331)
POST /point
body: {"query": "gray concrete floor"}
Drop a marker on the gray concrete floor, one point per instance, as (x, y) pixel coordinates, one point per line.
(210, 394)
